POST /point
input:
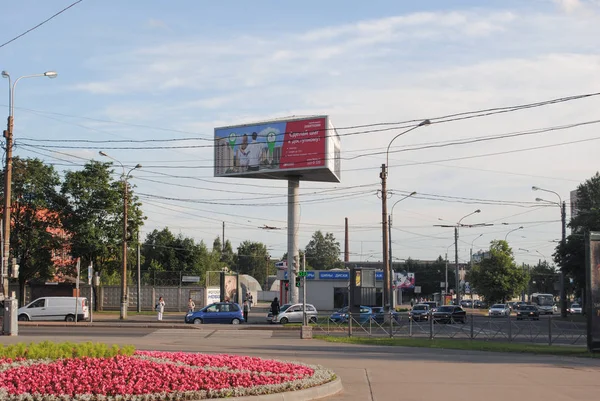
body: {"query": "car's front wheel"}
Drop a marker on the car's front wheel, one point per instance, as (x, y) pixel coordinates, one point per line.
(23, 318)
(235, 321)
(197, 321)
(284, 320)
(70, 318)
(312, 319)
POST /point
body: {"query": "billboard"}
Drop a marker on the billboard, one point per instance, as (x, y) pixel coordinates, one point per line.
(306, 147)
(404, 281)
(593, 290)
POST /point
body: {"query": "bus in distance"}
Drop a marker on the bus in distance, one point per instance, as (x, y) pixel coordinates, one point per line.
(544, 302)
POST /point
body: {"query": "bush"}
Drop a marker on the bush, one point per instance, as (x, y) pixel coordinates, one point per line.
(50, 350)
(402, 309)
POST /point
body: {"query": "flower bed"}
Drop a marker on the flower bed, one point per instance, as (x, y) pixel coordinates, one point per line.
(153, 375)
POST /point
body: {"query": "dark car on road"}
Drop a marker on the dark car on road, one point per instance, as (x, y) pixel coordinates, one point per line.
(420, 312)
(379, 315)
(449, 314)
(220, 312)
(528, 312)
(479, 304)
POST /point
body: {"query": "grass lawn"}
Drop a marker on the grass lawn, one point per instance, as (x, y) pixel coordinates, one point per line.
(466, 345)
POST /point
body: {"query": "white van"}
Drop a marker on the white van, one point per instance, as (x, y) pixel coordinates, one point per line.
(55, 308)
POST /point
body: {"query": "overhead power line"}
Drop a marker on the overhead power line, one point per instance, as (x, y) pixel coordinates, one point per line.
(40, 24)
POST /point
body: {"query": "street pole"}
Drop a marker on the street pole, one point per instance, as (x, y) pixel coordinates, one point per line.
(8, 135)
(304, 321)
(390, 273)
(384, 228)
(446, 282)
(456, 264)
(124, 295)
(139, 275)
(563, 295)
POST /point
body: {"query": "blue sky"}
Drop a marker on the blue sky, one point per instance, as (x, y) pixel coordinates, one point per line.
(171, 70)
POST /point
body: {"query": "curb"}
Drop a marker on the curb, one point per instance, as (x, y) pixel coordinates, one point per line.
(157, 325)
(313, 393)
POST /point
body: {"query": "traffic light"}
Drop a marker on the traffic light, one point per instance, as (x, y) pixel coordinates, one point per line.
(298, 281)
(287, 285)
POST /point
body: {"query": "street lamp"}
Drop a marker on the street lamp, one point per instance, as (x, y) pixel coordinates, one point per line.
(563, 218)
(124, 298)
(384, 214)
(390, 273)
(506, 236)
(8, 134)
(456, 226)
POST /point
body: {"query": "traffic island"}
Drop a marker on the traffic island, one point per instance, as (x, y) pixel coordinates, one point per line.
(70, 372)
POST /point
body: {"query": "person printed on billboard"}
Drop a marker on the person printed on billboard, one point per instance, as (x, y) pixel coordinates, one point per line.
(255, 153)
(242, 154)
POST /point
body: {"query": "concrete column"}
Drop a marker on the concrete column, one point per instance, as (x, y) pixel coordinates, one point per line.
(292, 243)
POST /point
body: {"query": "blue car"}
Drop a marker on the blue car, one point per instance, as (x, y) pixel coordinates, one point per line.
(341, 316)
(220, 312)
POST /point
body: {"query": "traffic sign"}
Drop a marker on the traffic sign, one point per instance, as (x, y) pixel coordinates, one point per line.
(302, 274)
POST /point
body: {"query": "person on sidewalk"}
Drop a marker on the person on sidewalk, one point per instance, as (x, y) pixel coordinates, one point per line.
(191, 306)
(275, 308)
(246, 309)
(160, 307)
(250, 300)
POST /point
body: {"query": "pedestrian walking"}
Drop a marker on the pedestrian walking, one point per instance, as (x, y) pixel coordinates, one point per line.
(275, 308)
(160, 308)
(191, 306)
(246, 309)
(250, 300)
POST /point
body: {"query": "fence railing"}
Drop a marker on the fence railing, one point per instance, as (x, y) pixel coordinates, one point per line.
(547, 330)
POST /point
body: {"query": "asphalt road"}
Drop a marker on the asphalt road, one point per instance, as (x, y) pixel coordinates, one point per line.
(367, 372)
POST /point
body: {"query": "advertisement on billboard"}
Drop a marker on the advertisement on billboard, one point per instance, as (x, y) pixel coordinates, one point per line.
(593, 282)
(278, 149)
(404, 280)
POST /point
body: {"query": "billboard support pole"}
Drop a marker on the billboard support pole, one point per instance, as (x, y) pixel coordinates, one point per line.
(292, 243)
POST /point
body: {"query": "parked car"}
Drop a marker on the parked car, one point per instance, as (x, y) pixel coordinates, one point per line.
(575, 309)
(432, 305)
(449, 314)
(479, 304)
(466, 303)
(528, 312)
(380, 316)
(420, 312)
(499, 310)
(511, 305)
(294, 314)
(517, 305)
(55, 308)
(341, 316)
(282, 308)
(219, 312)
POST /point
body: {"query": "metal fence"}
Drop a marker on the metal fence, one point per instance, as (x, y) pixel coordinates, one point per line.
(548, 330)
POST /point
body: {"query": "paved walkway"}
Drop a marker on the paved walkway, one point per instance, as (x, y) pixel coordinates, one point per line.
(381, 373)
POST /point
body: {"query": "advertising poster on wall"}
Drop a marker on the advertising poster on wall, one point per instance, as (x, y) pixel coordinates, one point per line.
(276, 149)
(404, 281)
(593, 281)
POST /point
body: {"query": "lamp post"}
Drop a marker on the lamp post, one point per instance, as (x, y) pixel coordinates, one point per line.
(506, 236)
(456, 226)
(446, 280)
(384, 217)
(124, 298)
(563, 218)
(8, 134)
(390, 273)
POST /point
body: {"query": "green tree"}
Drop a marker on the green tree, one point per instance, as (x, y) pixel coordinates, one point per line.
(253, 259)
(36, 230)
(543, 277)
(223, 256)
(570, 256)
(323, 252)
(498, 278)
(94, 214)
(164, 253)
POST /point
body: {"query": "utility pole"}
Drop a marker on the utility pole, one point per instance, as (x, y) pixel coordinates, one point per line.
(384, 228)
(223, 245)
(8, 135)
(139, 274)
(456, 264)
(563, 295)
(446, 282)
(346, 243)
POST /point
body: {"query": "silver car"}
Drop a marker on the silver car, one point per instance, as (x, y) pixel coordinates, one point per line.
(499, 310)
(293, 314)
